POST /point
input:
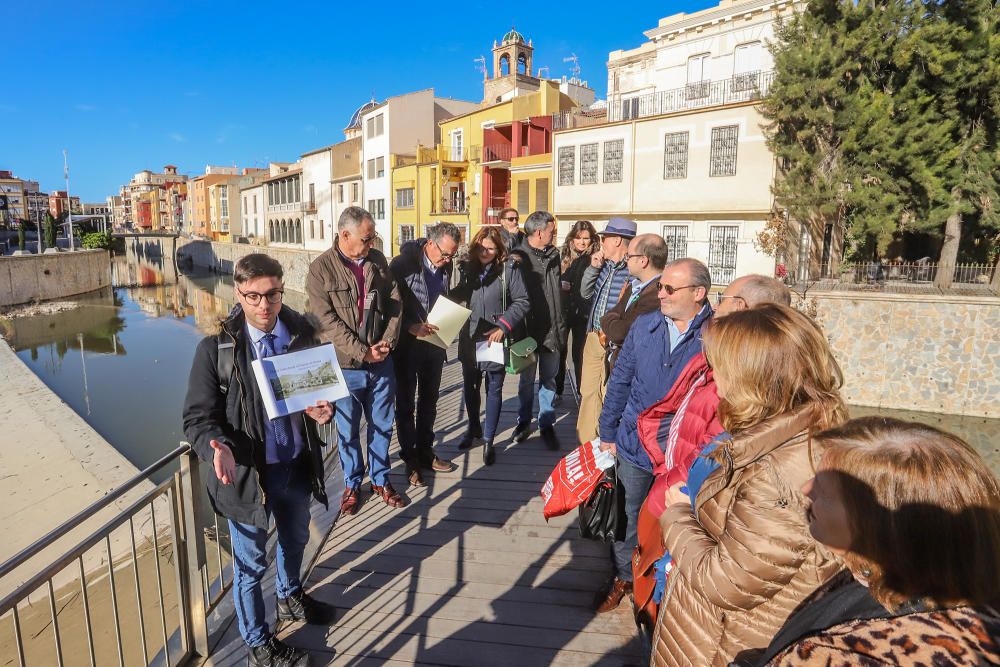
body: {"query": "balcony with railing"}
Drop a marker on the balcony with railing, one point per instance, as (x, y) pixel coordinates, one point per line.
(496, 153)
(741, 88)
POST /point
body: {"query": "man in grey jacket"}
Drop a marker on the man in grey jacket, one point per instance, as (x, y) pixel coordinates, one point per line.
(539, 261)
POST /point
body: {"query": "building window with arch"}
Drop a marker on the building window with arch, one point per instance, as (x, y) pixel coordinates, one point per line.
(312, 229)
(505, 64)
(298, 232)
(522, 64)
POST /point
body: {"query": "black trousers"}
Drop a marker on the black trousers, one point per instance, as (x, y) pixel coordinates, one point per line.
(418, 384)
(578, 335)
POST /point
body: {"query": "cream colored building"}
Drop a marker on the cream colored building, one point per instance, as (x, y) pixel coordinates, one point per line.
(317, 198)
(683, 152)
(284, 206)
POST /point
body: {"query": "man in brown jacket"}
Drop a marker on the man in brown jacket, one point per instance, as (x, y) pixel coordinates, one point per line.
(357, 302)
(645, 258)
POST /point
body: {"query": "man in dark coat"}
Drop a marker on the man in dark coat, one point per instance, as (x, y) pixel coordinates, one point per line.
(511, 233)
(263, 467)
(422, 270)
(539, 261)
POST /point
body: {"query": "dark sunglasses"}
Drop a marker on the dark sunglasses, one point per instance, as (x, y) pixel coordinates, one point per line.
(670, 289)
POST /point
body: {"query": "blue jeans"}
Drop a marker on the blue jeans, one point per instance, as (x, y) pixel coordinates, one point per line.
(373, 392)
(636, 482)
(473, 382)
(288, 495)
(547, 367)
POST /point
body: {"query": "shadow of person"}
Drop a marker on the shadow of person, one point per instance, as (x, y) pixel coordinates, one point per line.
(470, 572)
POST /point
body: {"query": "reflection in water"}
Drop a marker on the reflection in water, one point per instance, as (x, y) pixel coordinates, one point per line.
(121, 360)
(132, 349)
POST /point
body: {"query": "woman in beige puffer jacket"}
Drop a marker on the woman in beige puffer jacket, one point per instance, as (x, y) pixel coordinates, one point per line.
(744, 560)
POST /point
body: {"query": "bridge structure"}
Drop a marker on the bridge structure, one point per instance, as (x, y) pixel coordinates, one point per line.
(469, 573)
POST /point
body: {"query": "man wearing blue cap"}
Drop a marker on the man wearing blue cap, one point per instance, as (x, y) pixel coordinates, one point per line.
(602, 286)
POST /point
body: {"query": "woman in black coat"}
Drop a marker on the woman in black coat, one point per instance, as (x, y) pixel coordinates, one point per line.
(496, 313)
(581, 242)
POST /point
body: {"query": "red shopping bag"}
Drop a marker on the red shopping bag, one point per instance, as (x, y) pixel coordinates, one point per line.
(574, 478)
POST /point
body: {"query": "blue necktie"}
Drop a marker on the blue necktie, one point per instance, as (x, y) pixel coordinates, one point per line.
(281, 427)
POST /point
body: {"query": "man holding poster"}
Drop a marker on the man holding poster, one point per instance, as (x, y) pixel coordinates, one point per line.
(423, 272)
(263, 467)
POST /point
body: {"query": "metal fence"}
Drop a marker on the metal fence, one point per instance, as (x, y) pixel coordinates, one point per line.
(745, 87)
(135, 589)
(917, 276)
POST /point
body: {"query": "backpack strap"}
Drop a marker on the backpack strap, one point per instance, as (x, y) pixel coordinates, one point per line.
(224, 364)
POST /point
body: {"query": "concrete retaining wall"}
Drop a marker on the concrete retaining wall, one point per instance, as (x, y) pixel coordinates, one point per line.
(221, 257)
(44, 277)
(916, 352)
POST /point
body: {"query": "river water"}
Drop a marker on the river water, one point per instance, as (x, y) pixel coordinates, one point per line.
(121, 360)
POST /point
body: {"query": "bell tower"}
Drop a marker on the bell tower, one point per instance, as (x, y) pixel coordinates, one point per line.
(511, 69)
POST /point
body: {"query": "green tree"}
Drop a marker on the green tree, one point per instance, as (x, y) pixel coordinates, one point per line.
(50, 231)
(884, 117)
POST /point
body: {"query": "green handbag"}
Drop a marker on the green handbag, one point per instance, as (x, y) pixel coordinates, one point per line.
(520, 354)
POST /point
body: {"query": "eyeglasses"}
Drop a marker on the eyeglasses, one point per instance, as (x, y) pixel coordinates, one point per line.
(670, 289)
(514, 219)
(368, 240)
(444, 255)
(253, 298)
(720, 296)
(628, 257)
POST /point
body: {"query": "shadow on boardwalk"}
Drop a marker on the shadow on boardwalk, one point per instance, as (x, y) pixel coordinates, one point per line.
(469, 573)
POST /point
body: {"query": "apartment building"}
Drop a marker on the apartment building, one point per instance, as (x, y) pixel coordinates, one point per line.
(682, 151)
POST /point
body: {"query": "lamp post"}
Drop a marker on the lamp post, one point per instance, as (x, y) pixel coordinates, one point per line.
(69, 202)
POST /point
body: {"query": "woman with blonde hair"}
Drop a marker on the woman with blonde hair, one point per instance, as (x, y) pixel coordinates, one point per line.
(915, 515)
(742, 555)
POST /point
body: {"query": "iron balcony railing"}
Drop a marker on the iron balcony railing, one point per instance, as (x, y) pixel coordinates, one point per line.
(745, 87)
(907, 272)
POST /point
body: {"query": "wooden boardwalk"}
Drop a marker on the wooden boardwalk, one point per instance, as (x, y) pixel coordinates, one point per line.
(469, 573)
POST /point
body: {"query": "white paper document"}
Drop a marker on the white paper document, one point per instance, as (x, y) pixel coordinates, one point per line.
(293, 381)
(489, 352)
(448, 317)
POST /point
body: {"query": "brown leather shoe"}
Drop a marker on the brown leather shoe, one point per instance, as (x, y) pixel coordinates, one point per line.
(388, 495)
(415, 477)
(441, 465)
(349, 502)
(618, 590)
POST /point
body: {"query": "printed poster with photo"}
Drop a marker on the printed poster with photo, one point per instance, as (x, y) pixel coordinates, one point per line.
(293, 381)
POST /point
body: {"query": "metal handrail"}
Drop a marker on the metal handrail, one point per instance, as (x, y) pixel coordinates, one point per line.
(195, 598)
(59, 531)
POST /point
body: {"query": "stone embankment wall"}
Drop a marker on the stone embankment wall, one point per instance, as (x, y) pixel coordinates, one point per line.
(221, 257)
(44, 277)
(916, 352)
(901, 351)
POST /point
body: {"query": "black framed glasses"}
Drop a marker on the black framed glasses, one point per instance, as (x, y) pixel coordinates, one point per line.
(368, 240)
(628, 257)
(253, 298)
(514, 219)
(444, 255)
(670, 289)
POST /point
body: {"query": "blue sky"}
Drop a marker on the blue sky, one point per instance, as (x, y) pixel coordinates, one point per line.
(130, 86)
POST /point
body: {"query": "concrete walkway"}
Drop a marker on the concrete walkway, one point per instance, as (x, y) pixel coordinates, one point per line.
(52, 465)
(469, 573)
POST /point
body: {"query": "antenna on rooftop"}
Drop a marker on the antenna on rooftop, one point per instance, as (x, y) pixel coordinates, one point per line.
(545, 69)
(575, 69)
(481, 62)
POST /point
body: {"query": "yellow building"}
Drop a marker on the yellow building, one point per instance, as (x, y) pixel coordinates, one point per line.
(496, 157)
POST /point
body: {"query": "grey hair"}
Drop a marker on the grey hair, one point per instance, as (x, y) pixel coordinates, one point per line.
(352, 217)
(440, 230)
(537, 222)
(653, 248)
(700, 275)
(759, 290)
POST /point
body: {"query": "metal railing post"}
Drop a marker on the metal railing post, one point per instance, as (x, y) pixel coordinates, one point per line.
(192, 563)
